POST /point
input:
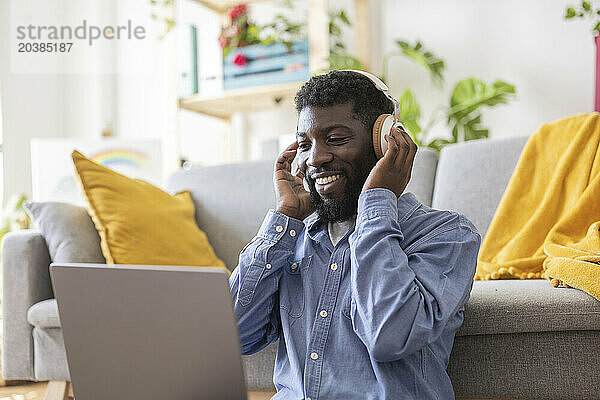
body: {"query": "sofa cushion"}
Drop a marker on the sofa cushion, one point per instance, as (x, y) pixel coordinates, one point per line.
(530, 305)
(50, 355)
(139, 223)
(472, 176)
(44, 314)
(423, 175)
(68, 230)
(541, 366)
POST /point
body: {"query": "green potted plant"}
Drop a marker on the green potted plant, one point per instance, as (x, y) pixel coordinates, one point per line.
(463, 112)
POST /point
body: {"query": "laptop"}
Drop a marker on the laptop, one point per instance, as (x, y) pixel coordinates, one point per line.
(149, 332)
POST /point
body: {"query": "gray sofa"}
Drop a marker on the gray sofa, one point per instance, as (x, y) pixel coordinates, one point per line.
(521, 339)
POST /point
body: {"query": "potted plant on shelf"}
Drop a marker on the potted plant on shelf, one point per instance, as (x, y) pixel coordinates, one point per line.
(585, 10)
(276, 52)
(256, 55)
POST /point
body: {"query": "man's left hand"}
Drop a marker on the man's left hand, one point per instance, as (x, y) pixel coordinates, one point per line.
(393, 170)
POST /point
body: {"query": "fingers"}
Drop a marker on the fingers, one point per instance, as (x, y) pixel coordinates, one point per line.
(392, 151)
(294, 145)
(406, 148)
(284, 161)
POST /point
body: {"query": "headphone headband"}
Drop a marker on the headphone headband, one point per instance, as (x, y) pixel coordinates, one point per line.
(381, 86)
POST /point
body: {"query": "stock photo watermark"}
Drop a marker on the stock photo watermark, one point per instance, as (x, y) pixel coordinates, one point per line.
(80, 37)
(49, 38)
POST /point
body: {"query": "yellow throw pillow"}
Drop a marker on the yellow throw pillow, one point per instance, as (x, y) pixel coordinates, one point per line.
(140, 224)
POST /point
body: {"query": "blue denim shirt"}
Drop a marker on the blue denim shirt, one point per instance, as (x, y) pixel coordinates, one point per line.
(373, 317)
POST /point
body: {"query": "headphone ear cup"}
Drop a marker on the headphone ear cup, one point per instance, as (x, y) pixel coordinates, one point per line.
(377, 135)
(382, 125)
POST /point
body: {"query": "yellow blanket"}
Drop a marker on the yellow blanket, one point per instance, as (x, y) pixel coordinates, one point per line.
(548, 221)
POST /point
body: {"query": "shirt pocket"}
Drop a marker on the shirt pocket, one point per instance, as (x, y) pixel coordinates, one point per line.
(291, 287)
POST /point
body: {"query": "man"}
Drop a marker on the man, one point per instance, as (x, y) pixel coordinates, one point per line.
(366, 295)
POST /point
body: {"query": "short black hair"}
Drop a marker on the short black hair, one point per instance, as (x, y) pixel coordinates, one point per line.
(341, 87)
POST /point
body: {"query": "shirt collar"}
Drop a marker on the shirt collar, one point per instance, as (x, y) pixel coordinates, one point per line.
(314, 225)
(407, 204)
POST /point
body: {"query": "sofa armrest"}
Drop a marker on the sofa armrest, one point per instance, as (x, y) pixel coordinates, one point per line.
(25, 281)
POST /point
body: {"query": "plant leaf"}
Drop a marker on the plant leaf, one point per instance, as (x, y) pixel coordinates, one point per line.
(438, 143)
(410, 115)
(343, 61)
(344, 17)
(473, 129)
(471, 93)
(468, 96)
(570, 13)
(434, 65)
(587, 6)
(334, 29)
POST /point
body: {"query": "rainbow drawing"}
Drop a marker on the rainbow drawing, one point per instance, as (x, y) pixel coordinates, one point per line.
(120, 157)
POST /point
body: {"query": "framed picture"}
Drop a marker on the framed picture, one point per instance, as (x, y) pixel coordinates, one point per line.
(53, 173)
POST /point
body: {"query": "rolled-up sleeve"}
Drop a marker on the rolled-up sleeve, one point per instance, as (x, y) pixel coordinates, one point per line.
(403, 297)
(254, 282)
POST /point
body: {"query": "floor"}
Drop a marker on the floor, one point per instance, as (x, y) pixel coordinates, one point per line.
(37, 390)
(26, 392)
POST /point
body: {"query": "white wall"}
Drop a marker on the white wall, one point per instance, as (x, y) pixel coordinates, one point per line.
(32, 106)
(130, 86)
(49, 105)
(527, 43)
(145, 94)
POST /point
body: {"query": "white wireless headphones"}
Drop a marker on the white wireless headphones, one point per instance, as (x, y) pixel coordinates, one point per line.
(385, 122)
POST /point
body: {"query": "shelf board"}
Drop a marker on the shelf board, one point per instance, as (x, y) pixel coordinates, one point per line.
(222, 6)
(224, 104)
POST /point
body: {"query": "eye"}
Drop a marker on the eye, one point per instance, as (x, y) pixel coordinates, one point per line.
(303, 146)
(337, 140)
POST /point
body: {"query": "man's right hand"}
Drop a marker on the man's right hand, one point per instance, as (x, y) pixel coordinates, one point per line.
(292, 199)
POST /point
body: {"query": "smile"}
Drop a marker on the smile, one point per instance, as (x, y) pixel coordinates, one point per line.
(327, 179)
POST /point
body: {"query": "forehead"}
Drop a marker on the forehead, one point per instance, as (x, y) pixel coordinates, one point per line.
(315, 120)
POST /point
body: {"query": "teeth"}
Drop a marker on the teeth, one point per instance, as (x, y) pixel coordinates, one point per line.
(327, 179)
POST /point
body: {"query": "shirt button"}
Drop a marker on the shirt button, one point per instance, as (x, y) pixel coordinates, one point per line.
(314, 355)
(334, 266)
(294, 266)
(323, 313)
(292, 233)
(268, 266)
(279, 228)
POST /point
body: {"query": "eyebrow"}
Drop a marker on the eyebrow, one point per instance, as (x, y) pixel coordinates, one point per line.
(327, 129)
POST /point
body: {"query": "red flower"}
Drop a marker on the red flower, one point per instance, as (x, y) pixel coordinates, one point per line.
(240, 60)
(237, 11)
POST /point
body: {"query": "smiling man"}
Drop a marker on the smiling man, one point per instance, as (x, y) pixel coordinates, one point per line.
(363, 286)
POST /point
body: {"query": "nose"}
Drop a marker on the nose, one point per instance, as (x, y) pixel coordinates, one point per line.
(318, 156)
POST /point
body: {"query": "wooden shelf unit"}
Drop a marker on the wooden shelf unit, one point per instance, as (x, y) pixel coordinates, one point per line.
(224, 104)
(228, 102)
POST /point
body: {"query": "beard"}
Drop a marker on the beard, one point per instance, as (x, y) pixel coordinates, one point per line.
(335, 210)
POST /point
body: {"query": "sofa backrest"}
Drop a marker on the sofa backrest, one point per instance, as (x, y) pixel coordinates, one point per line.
(472, 176)
(232, 200)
